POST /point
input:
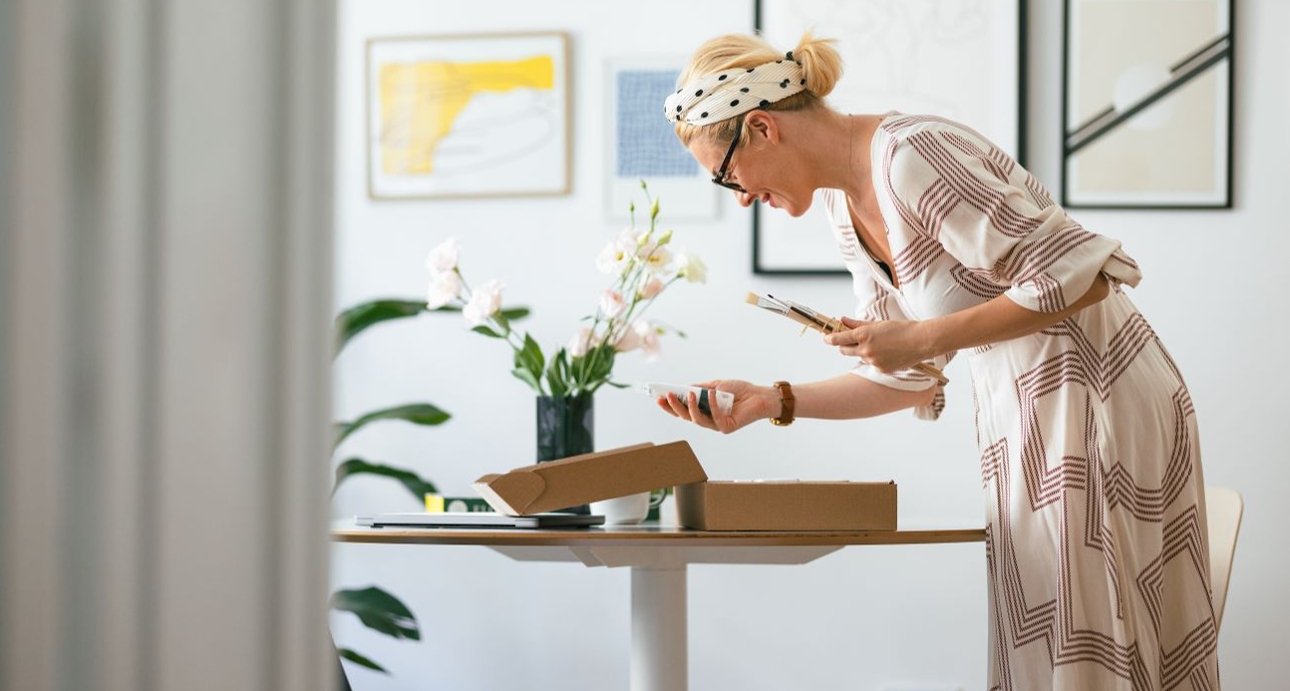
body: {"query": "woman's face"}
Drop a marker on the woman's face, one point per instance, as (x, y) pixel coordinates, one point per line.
(761, 166)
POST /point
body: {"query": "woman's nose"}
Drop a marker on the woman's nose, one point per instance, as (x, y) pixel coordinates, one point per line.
(745, 199)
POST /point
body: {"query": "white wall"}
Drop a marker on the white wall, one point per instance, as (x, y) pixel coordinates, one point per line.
(863, 618)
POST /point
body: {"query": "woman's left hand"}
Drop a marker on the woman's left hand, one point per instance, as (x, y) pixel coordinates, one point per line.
(889, 345)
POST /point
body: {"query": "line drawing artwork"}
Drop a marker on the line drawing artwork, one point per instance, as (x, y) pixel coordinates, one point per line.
(468, 116)
(958, 59)
(895, 52)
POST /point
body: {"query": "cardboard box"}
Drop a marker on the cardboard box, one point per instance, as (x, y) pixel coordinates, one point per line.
(590, 477)
(755, 505)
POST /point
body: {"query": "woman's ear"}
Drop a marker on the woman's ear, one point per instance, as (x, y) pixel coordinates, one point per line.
(762, 125)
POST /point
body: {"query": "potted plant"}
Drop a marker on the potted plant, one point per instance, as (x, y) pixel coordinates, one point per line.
(375, 607)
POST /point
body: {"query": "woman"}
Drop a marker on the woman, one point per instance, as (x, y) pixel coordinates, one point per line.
(1096, 539)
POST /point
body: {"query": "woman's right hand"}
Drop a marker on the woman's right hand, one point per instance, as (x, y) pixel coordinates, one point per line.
(752, 403)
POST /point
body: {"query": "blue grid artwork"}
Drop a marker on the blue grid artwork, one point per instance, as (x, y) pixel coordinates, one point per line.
(647, 144)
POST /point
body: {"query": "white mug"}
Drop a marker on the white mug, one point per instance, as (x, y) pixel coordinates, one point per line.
(626, 510)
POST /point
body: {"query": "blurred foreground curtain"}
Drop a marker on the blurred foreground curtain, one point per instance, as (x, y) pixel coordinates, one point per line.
(165, 265)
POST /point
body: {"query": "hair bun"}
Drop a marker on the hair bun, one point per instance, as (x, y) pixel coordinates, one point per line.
(821, 63)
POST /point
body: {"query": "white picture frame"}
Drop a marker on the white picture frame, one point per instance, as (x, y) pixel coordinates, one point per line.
(468, 115)
(1147, 125)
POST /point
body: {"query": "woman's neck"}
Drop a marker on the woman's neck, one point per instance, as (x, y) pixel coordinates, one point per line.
(844, 144)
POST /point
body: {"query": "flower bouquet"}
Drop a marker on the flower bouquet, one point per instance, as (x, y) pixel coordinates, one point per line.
(641, 264)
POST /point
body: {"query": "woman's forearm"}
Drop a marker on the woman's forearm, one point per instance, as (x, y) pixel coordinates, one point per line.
(850, 396)
(998, 320)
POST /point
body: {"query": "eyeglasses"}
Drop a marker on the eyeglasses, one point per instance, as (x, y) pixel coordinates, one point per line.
(720, 177)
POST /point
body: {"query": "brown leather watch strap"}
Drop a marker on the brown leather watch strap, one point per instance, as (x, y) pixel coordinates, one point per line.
(786, 397)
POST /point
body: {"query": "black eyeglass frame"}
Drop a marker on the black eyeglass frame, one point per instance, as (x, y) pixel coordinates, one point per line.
(720, 177)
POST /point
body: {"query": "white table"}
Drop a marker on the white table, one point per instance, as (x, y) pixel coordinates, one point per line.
(658, 557)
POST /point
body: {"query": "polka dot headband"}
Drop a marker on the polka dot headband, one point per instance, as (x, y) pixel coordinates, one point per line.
(716, 97)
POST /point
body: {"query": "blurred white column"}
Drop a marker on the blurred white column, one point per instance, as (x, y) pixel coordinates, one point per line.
(165, 234)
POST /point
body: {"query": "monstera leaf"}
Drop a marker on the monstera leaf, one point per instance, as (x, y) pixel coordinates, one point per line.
(418, 486)
(416, 413)
(358, 318)
(379, 611)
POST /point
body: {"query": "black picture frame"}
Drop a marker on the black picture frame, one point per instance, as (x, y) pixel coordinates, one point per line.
(1133, 116)
(769, 231)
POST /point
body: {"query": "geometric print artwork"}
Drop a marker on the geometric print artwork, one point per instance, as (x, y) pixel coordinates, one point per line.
(1147, 121)
(647, 146)
(644, 146)
(1096, 545)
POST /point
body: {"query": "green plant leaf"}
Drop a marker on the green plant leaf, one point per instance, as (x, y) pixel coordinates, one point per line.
(414, 483)
(356, 319)
(357, 659)
(534, 360)
(416, 413)
(379, 611)
(528, 378)
(481, 329)
(557, 378)
(601, 364)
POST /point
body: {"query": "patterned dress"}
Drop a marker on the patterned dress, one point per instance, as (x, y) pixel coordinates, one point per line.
(1096, 540)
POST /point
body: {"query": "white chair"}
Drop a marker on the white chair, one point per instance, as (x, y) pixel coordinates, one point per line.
(1224, 507)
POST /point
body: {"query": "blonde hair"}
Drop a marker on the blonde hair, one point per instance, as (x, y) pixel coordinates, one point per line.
(821, 67)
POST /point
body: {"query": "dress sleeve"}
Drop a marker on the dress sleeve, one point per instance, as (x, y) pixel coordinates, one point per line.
(993, 217)
(876, 304)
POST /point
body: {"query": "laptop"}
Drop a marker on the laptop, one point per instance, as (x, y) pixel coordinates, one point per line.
(477, 519)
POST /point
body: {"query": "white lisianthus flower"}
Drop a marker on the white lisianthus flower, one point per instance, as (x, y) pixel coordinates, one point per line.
(443, 257)
(628, 340)
(444, 288)
(652, 288)
(650, 344)
(613, 260)
(612, 304)
(484, 303)
(692, 268)
(580, 343)
(658, 260)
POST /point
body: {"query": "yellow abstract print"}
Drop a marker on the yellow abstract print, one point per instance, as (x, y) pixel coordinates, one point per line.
(420, 102)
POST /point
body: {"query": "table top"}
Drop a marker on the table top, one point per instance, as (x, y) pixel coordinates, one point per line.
(648, 536)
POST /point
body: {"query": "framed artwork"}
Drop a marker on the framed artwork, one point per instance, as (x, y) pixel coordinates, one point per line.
(960, 59)
(483, 115)
(1147, 104)
(645, 146)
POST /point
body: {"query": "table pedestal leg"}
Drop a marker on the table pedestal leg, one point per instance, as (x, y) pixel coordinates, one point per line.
(659, 642)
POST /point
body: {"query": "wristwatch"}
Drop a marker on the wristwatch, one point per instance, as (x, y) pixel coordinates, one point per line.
(786, 397)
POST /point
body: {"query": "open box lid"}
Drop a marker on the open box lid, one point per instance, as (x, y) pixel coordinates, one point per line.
(590, 477)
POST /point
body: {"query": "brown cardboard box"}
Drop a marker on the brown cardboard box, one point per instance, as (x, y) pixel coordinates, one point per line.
(717, 505)
(590, 477)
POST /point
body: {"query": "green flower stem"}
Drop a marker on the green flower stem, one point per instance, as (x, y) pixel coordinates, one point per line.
(503, 327)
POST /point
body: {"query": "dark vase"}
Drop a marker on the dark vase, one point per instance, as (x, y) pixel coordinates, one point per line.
(565, 427)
